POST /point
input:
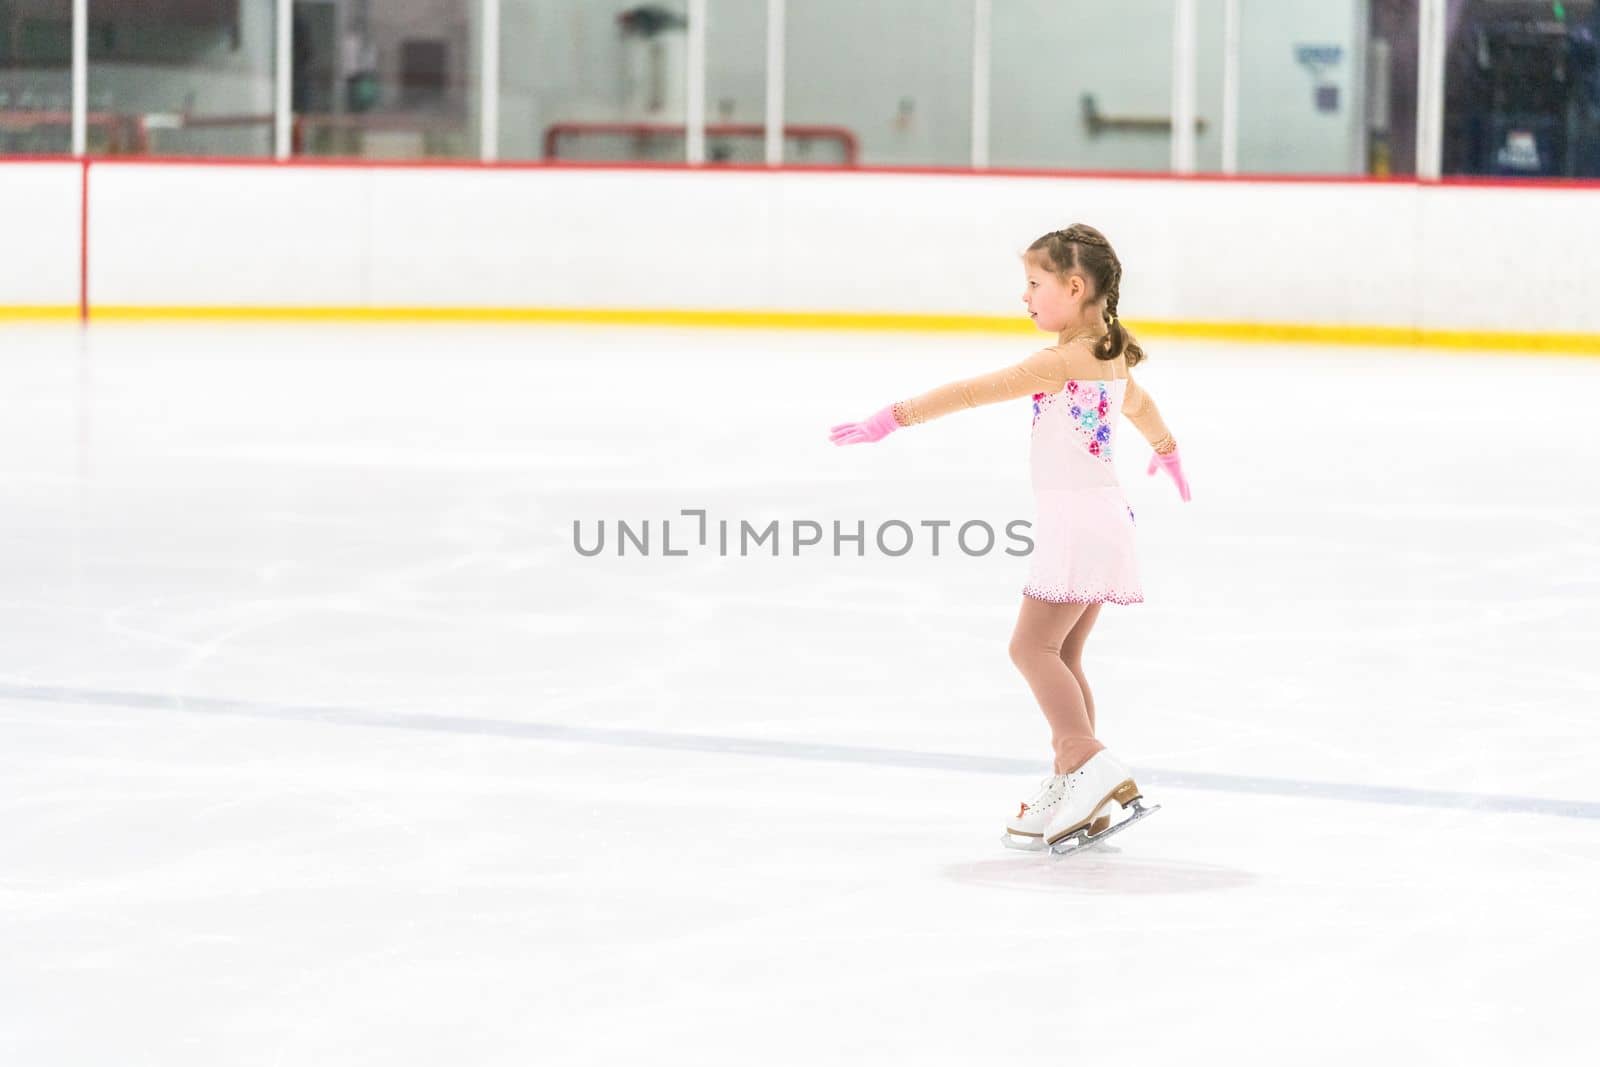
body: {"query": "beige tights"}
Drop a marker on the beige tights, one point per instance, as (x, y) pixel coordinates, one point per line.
(1047, 648)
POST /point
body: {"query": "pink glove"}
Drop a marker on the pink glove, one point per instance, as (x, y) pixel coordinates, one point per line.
(1173, 467)
(875, 428)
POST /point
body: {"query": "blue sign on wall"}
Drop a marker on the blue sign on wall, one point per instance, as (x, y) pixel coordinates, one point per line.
(1318, 55)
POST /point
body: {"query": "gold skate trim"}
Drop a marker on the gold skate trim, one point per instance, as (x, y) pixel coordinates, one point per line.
(1124, 794)
(1021, 833)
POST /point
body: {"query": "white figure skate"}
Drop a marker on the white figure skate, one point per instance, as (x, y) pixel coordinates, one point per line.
(1025, 830)
(1097, 795)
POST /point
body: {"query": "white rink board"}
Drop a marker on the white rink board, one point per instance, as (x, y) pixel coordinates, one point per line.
(1510, 260)
(1298, 252)
(228, 236)
(40, 220)
(517, 238)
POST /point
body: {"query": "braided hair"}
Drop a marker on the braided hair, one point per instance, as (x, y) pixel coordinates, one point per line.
(1085, 249)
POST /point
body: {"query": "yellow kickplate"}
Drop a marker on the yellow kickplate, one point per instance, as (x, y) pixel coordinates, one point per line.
(1487, 341)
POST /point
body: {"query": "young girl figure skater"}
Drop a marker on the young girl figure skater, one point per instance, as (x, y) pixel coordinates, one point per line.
(1083, 554)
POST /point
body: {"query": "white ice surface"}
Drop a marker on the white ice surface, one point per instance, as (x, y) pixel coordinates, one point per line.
(320, 743)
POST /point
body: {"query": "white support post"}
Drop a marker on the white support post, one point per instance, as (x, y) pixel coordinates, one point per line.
(283, 82)
(80, 78)
(1230, 87)
(489, 83)
(1185, 48)
(775, 75)
(1360, 86)
(1430, 89)
(695, 105)
(982, 36)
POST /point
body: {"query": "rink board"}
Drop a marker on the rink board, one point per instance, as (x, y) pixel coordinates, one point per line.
(1326, 261)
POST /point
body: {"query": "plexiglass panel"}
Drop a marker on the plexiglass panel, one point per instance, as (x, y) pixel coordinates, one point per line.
(890, 78)
(36, 79)
(1082, 85)
(1522, 89)
(387, 79)
(189, 78)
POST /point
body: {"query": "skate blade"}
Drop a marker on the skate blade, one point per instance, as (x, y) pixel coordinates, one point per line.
(1023, 844)
(1081, 840)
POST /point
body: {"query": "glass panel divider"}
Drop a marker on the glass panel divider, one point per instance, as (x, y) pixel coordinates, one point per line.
(774, 103)
(283, 82)
(694, 105)
(80, 78)
(982, 57)
(1185, 90)
(489, 83)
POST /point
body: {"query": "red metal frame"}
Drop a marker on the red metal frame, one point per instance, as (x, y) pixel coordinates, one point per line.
(139, 144)
(842, 134)
(402, 123)
(117, 122)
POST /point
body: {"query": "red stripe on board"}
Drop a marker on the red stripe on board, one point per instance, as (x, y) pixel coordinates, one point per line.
(343, 163)
(1517, 183)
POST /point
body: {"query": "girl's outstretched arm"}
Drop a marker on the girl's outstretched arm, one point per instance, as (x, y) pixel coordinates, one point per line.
(1043, 372)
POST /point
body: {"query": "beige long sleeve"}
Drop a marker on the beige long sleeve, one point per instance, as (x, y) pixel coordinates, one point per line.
(1046, 371)
(1146, 418)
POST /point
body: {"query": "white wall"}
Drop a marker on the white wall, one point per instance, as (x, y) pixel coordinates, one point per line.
(736, 60)
(1048, 55)
(1281, 131)
(1353, 254)
(853, 64)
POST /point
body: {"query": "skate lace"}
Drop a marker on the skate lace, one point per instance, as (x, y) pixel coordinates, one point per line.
(1050, 790)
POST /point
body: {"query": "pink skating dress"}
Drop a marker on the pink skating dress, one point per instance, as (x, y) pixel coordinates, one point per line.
(1083, 550)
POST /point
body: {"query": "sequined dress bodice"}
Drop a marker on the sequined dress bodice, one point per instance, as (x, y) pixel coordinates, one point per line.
(1075, 434)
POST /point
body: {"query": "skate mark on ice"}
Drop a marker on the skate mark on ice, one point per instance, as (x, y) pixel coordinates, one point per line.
(1092, 873)
(1399, 796)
